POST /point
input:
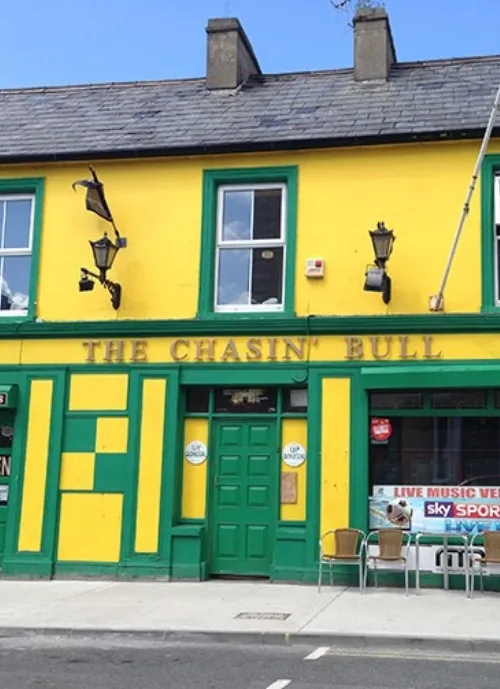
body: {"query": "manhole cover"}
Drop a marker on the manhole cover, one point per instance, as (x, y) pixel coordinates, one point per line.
(263, 615)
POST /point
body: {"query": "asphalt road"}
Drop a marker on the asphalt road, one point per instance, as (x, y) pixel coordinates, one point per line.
(97, 663)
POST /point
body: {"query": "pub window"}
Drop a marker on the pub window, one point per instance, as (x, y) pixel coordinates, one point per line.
(295, 400)
(396, 400)
(246, 400)
(197, 400)
(458, 399)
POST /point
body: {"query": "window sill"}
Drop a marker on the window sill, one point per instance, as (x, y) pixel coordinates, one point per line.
(244, 315)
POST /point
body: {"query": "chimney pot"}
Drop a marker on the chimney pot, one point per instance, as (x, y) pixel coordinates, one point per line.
(230, 56)
(374, 51)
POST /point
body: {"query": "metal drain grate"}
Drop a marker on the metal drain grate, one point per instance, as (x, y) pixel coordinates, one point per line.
(262, 615)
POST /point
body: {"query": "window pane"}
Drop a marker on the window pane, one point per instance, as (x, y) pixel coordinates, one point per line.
(237, 215)
(17, 224)
(396, 400)
(432, 451)
(15, 280)
(295, 400)
(267, 276)
(197, 399)
(246, 400)
(459, 399)
(267, 214)
(233, 279)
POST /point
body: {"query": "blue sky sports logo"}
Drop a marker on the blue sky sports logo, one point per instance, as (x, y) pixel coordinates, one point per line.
(438, 508)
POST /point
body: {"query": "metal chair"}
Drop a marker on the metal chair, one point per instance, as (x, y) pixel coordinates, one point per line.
(341, 546)
(491, 543)
(394, 547)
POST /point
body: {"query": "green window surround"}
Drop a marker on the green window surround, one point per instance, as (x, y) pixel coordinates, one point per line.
(215, 184)
(490, 253)
(21, 210)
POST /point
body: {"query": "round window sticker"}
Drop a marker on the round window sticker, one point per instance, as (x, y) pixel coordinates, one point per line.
(293, 454)
(195, 452)
(380, 430)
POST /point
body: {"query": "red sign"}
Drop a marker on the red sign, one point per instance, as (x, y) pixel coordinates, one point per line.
(380, 429)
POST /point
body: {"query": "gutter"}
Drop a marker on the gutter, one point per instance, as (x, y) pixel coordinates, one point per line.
(249, 147)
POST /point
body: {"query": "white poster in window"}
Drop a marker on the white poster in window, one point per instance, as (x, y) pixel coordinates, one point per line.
(195, 452)
(4, 495)
(293, 454)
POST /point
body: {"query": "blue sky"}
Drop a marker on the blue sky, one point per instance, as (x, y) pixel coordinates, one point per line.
(63, 42)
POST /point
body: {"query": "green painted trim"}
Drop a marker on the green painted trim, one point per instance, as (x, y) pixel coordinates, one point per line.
(50, 533)
(407, 324)
(36, 186)
(236, 374)
(313, 488)
(17, 466)
(491, 164)
(24, 566)
(134, 404)
(212, 179)
(358, 465)
(452, 375)
(171, 489)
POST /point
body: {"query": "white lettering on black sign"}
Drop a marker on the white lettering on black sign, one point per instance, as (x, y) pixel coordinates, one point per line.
(4, 466)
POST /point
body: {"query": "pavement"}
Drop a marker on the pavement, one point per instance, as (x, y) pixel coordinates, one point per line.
(262, 612)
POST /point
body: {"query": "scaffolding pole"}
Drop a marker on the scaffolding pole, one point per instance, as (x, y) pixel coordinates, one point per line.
(436, 302)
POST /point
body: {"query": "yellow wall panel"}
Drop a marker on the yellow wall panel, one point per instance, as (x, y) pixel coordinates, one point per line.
(112, 434)
(77, 471)
(295, 431)
(194, 477)
(335, 440)
(90, 527)
(35, 470)
(167, 193)
(93, 392)
(150, 465)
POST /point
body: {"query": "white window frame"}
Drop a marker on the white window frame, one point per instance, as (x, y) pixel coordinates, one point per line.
(250, 244)
(26, 251)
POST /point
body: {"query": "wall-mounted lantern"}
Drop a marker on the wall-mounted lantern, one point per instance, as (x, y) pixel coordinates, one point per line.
(103, 250)
(376, 278)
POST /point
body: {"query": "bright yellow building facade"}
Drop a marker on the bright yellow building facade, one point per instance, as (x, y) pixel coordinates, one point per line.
(170, 438)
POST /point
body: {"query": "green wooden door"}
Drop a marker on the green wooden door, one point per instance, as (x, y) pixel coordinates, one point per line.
(6, 437)
(244, 497)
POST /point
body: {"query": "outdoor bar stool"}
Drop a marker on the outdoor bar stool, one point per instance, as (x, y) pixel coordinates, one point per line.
(394, 546)
(491, 542)
(341, 546)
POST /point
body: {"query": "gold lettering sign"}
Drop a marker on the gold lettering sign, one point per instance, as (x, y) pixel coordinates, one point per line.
(383, 347)
(234, 349)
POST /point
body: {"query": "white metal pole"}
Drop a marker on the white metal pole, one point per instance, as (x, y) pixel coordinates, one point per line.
(437, 301)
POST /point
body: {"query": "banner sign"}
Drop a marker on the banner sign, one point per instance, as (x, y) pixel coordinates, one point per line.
(436, 509)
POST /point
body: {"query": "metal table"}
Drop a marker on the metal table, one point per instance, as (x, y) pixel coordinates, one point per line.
(444, 536)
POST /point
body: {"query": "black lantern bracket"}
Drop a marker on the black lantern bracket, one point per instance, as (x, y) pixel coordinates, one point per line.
(376, 278)
(86, 284)
(95, 201)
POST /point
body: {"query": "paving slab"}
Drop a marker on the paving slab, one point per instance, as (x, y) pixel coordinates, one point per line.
(257, 611)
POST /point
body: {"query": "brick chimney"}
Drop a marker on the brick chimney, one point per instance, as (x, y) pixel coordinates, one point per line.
(230, 57)
(374, 51)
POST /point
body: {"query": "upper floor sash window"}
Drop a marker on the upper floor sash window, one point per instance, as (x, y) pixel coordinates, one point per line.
(251, 248)
(16, 252)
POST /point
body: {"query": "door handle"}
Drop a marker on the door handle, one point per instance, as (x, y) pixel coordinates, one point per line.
(216, 481)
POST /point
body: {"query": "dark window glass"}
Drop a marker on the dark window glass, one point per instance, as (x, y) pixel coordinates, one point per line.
(6, 428)
(267, 276)
(396, 400)
(246, 400)
(267, 214)
(295, 400)
(448, 451)
(497, 399)
(197, 400)
(458, 399)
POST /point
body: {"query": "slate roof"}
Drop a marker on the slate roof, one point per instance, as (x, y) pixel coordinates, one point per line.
(438, 99)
